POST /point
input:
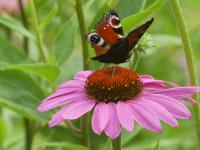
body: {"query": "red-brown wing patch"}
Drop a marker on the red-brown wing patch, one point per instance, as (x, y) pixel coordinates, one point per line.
(107, 33)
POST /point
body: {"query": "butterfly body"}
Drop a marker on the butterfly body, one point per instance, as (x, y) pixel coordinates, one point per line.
(110, 45)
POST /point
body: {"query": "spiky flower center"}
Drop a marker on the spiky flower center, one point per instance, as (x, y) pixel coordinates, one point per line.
(113, 84)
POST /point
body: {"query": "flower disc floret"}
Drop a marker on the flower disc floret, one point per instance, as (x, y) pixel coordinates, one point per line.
(113, 84)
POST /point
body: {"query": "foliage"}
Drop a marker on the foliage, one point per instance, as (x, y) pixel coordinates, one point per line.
(25, 80)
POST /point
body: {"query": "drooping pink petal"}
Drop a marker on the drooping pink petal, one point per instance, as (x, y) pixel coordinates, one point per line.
(59, 101)
(113, 126)
(100, 118)
(159, 110)
(125, 115)
(57, 118)
(172, 105)
(82, 75)
(146, 118)
(64, 96)
(63, 93)
(76, 109)
(179, 92)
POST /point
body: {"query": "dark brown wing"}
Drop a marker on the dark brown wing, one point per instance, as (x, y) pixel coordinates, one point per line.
(116, 54)
(120, 51)
(134, 36)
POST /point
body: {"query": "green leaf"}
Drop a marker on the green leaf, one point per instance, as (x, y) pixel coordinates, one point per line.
(64, 43)
(129, 138)
(48, 18)
(9, 53)
(19, 92)
(3, 129)
(157, 145)
(48, 72)
(162, 40)
(97, 16)
(131, 21)
(65, 146)
(15, 25)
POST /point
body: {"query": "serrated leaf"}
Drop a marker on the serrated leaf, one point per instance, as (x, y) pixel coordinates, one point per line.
(48, 18)
(131, 21)
(15, 26)
(157, 145)
(9, 53)
(47, 71)
(19, 92)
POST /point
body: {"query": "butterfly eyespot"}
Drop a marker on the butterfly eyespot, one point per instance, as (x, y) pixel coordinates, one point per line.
(95, 39)
(114, 21)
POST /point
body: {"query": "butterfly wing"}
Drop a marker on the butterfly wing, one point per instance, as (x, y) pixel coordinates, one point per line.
(116, 53)
(134, 36)
(109, 28)
(120, 50)
(108, 31)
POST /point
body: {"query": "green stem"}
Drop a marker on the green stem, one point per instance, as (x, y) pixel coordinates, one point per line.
(79, 11)
(43, 53)
(85, 130)
(25, 23)
(187, 46)
(80, 15)
(116, 143)
(136, 58)
(28, 135)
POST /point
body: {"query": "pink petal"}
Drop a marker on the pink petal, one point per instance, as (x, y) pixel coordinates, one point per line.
(82, 75)
(143, 77)
(58, 101)
(61, 93)
(100, 118)
(76, 109)
(125, 115)
(146, 118)
(113, 127)
(179, 92)
(159, 110)
(72, 84)
(191, 100)
(57, 118)
(177, 109)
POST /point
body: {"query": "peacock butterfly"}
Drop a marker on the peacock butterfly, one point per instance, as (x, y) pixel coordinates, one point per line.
(109, 42)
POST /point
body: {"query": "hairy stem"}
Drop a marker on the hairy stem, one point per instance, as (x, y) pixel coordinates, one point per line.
(80, 15)
(43, 52)
(25, 23)
(187, 46)
(116, 143)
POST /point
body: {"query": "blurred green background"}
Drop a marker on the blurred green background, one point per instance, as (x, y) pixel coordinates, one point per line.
(24, 82)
